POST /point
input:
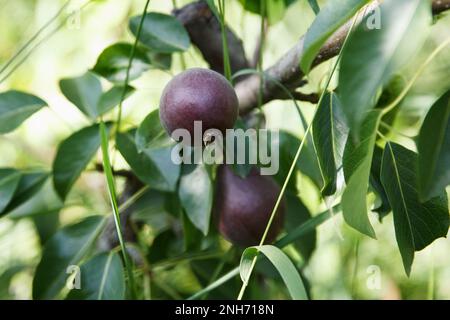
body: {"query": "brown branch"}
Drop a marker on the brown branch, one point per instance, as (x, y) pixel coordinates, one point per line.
(439, 6)
(308, 97)
(204, 31)
(117, 173)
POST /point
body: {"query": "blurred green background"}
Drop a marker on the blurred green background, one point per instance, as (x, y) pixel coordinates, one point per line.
(345, 264)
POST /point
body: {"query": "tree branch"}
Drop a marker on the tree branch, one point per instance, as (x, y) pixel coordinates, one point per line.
(117, 173)
(204, 30)
(440, 5)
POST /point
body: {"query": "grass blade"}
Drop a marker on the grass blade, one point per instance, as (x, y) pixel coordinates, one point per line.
(112, 194)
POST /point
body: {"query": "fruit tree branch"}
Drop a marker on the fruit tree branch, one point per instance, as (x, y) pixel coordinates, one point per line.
(204, 30)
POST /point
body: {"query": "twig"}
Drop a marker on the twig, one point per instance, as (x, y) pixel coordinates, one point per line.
(119, 173)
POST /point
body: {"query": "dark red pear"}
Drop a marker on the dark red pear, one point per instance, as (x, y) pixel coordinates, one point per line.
(198, 95)
(243, 207)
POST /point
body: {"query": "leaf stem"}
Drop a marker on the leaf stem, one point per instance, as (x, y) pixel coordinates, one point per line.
(294, 162)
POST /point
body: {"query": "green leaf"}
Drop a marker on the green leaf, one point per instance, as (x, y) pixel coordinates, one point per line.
(84, 92)
(357, 164)
(30, 183)
(383, 208)
(330, 133)
(162, 245)
(102, 278)
(296, 215)
(281, 262)
(416, 224)
(192, 236)
(72, 157)
(161, 61)
(434, 149)
(66, 248)
(112, 64)
(153, 167)
(161, 32)
(371, 57)
(151, 134)
(275, 9)
(9, 180)
(46, 224)
(331, 17)
(16, 107)
(153, 208)
(196, 195)
(314, 6)
(111, 98)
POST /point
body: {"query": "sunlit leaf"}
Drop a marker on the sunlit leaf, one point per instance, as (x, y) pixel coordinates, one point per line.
(16, 107)
(281, 262)
(84, 92)
(112, 63)
(161, 32)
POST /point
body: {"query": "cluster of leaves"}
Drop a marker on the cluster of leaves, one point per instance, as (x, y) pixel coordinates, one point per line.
(347, 125)
(348, 159)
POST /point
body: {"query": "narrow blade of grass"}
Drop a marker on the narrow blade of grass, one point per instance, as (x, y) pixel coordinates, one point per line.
(112, 195)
